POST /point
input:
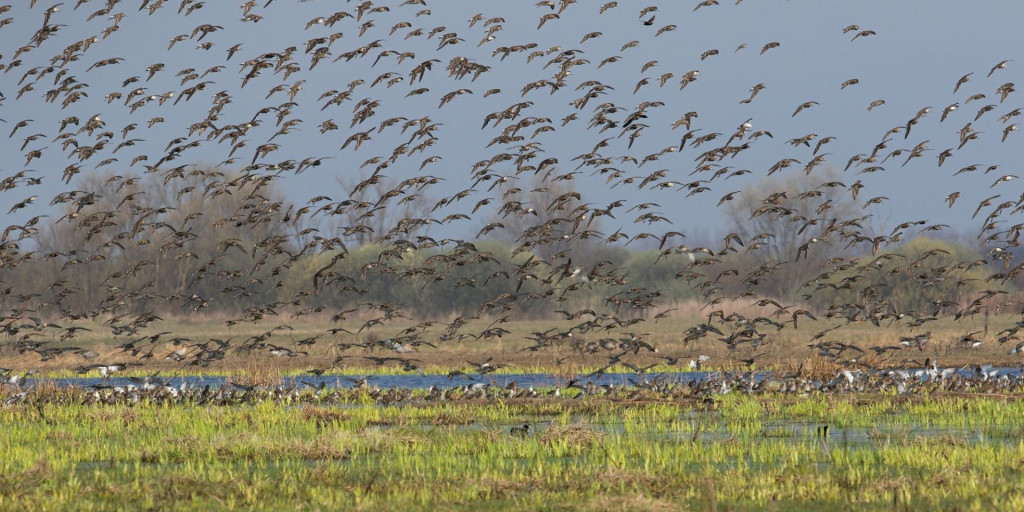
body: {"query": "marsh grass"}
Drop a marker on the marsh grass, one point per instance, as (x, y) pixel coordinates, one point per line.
(258, 373)
(571, 436)
(745, 453)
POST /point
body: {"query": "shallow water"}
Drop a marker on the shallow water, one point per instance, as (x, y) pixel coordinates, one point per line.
(412, 381)
(523, 380)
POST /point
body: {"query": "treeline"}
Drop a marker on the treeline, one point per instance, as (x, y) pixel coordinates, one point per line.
(204, 242)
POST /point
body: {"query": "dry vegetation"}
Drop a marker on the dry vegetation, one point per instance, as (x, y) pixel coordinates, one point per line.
(785, 348)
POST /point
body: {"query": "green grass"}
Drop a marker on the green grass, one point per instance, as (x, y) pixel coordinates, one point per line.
(742, 453)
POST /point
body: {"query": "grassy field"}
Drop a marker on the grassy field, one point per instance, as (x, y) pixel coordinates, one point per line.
(849, 452)
(786, 348)
(925, 450)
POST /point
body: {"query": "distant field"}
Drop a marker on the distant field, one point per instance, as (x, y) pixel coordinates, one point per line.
(785, 348)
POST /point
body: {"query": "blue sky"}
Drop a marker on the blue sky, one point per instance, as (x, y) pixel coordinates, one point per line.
(913, 60)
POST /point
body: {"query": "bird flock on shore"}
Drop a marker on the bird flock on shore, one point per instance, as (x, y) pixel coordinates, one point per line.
(587, 139)
(701, 389)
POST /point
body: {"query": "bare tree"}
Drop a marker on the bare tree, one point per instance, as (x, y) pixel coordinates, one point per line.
(544, 217)
(379, 208)
(794, 224)
(158, 239)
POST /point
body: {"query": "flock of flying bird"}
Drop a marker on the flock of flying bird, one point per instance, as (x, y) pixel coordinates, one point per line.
(254, 107)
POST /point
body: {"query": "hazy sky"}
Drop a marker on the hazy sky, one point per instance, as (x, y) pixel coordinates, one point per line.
(917, 53)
